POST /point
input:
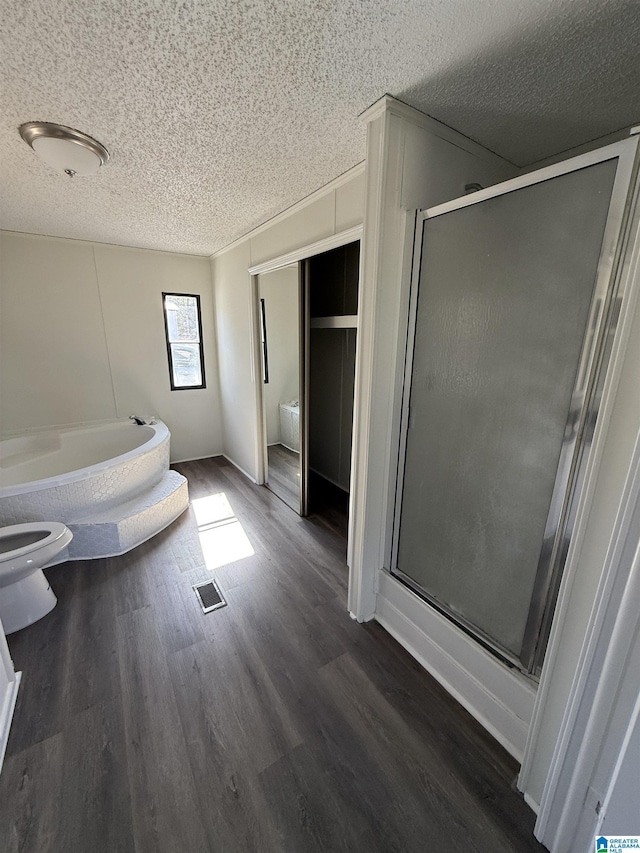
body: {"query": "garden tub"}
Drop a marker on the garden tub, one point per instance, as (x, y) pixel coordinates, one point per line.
(110, 484)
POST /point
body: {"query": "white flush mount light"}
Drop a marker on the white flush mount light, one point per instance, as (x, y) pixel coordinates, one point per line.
(65, 149)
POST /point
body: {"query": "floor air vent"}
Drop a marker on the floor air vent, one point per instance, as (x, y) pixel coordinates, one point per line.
(209, 596)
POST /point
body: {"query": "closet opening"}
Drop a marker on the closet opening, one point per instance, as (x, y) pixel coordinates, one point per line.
(331, 290)
(305, 318)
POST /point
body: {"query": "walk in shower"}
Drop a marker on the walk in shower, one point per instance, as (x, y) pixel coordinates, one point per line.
(513, 310)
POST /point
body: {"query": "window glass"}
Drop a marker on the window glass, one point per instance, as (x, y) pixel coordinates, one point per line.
(183, 330)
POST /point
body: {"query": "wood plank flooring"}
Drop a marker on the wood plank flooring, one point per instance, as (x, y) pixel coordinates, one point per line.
(273, 724)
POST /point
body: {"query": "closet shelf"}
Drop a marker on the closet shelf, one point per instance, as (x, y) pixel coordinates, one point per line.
(342, 321)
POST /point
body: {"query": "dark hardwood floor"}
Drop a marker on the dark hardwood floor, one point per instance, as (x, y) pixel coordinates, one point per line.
(274, 724)
(329, 503)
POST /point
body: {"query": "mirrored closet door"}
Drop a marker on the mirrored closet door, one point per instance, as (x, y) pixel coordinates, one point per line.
(280, 342)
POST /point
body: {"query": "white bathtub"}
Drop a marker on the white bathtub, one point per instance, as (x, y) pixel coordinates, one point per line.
(110, 484)
(290, 425)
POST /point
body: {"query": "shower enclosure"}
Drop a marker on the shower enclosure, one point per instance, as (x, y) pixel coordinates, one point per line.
(513, 309)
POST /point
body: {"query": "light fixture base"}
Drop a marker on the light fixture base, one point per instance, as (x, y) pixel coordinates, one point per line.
(76, 143)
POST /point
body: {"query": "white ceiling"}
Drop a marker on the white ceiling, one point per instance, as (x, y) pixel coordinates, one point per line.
(220, 113)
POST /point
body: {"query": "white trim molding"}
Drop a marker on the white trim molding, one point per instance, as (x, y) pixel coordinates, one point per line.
(498, 696)
(235, 465)
(383, 270)
(195, 458)
(334, 241)
(6, 715)
(389, 105)
(11, 682)
(342, 179)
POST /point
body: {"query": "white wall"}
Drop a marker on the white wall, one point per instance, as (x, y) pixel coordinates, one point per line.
(54, 367)
(279, 289)
(82, 339)
(333, 209)
(235, 356)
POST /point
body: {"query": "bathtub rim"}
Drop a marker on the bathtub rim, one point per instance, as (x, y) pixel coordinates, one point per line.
(161, 433)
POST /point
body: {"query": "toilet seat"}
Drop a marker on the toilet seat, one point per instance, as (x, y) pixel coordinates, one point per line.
(17, 563)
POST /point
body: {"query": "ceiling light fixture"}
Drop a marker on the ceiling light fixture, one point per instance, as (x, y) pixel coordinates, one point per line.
(64, 148)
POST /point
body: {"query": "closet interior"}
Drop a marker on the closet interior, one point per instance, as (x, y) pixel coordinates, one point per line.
(331, 282)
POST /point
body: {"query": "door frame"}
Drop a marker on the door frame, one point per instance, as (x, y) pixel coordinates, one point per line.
(351, 235)
(574, 461)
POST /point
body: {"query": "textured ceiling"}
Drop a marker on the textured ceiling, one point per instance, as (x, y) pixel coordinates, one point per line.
(220, 113)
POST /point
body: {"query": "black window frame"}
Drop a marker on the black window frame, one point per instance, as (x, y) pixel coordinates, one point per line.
(200, 343)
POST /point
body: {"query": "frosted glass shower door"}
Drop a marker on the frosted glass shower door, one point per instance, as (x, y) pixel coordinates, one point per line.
(506, 301)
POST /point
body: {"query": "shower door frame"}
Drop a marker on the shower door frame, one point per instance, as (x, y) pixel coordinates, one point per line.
(592, 369)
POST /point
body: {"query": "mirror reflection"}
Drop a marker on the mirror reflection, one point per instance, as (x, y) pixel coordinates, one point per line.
(279, 304)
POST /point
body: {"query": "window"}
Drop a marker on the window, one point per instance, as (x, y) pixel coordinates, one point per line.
(183, 327)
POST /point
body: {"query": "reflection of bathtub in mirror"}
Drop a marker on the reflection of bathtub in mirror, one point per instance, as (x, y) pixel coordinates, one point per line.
(290, 425)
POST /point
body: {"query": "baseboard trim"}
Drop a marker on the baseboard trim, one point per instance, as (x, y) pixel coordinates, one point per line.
(196, 458)
(242, 471)
(7, 715)
(533, 805)
(216, 456)
(500, 699)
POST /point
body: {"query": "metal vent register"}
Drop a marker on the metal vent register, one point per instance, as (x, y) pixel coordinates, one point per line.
(209, 596)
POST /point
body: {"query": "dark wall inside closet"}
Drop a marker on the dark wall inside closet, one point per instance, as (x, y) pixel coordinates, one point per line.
(333, 318)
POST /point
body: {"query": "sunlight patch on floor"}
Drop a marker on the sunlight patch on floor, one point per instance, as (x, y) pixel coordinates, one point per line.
(222, 537)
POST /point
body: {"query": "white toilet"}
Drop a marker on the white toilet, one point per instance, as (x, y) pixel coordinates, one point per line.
(25, 594)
